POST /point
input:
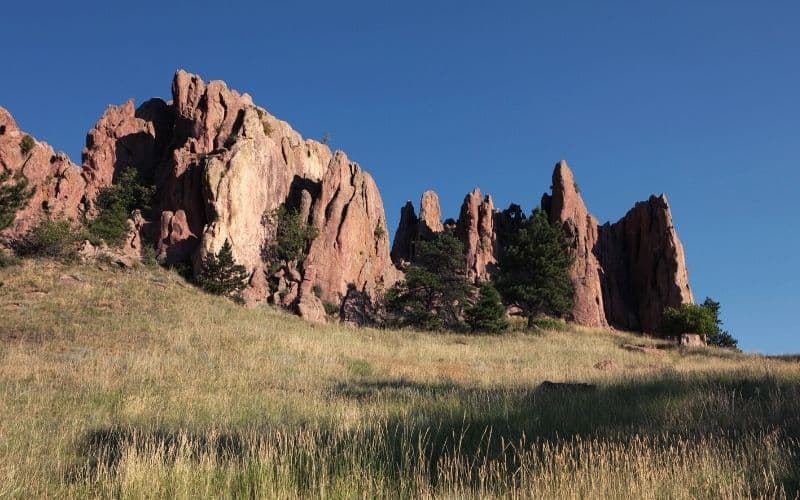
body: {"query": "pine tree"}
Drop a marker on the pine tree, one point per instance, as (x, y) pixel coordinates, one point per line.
(435, 288)
(718, 337)
(534, 269)
(488, 314)
(221, 275)
(13, 198)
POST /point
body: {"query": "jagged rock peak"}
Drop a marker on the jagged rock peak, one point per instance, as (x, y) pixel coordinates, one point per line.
(566, 207)
(430, 215)
(57, 184)
(475, 228)
(405, 236)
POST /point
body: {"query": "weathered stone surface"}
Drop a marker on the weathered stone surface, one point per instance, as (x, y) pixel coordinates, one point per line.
(475, 228)
(352, 249)
(644, 266)
(430, 216)
(692, 340)
(405, 236)
(57, 184)
(121, 139)
(567, 208)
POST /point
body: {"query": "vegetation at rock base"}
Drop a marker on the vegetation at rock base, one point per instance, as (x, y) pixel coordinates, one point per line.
(292, 236)
(50, 238)
(221, 275)
(128, 384)
(115, 203)
(433, 294)
(13, 198)
(488, 314)
(534, 269)
(702, 319)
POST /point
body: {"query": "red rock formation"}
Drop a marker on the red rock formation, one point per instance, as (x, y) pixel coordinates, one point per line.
(57, 184)
(352, 250)
(475, 228)
(566, 207)
(626, 273)
(644, 266)
(430, 216)
(405, 236)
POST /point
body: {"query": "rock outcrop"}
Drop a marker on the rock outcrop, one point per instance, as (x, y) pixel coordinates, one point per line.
(58, 184)
(625, 273)
(644, 267)
(475, 228)
(566, 207)
(222, 166)
(406, 236)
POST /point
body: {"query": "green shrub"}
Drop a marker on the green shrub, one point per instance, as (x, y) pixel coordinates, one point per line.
(331, 309)
(292, 236)
(488, 314)
(552, 324)
(53, 238)
(8, 260)
(13, 198)
(688, 318)
(221, 275)
(26, 145)
(115, 203)
(230, 141)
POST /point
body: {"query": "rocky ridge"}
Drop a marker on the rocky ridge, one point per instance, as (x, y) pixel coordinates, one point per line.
(624, 273)
(221, 165)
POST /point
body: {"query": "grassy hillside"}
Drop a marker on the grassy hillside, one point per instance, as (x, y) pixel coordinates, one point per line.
(134, 384)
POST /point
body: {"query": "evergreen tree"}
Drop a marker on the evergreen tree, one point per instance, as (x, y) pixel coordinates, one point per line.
(221, 275)
(115, 204)
(702, 319)
(534, 269)
(435, 288)
(488, 314)
(13, 198)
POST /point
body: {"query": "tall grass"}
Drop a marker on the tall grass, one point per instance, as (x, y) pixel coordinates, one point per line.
(136, 385)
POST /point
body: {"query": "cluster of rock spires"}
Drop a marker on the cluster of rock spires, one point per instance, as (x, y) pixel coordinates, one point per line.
(222, 164)
(624, 274)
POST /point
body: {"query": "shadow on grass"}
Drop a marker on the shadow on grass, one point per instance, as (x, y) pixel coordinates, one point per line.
(446, 420)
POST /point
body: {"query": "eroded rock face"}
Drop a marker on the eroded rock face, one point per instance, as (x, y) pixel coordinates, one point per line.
(352, 249)
(222, 165)
(58, 184)
(405, 236)
(644, 266)
(430, 216)
(567, 208)
(475, 228)
(625, 273)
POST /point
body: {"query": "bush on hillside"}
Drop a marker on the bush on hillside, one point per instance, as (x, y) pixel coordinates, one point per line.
(702, 319)
(221, 275)
(13, 198)
(435, 289)
(488, 314)
(52, 238)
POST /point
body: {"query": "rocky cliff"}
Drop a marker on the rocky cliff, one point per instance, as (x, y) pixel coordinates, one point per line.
(221, 165)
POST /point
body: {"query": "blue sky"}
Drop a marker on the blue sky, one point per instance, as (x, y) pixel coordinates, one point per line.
(696, 99)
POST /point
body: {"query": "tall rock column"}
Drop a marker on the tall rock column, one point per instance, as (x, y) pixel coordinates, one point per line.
(475, 228)
(566, 207)
(644, 266)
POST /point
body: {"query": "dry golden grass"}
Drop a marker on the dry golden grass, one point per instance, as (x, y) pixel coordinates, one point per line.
(134, 384)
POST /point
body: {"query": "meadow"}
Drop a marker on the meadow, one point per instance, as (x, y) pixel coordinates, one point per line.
(134, 384)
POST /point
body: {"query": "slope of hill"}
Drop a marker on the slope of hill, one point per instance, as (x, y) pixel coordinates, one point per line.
(135, 384)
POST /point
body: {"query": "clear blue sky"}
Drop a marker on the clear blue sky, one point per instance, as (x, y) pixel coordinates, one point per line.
(697, 99)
